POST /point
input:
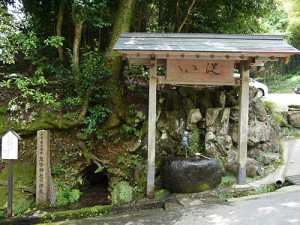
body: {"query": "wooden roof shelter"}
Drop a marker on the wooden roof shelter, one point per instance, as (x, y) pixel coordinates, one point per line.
(137, 46)
(207, 59)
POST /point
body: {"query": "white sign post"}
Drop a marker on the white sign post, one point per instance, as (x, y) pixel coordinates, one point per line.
(10, 145)
(10, 151)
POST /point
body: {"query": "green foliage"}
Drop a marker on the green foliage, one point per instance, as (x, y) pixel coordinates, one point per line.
(294, 28)
(294, 25)
(228, 180)
(97, 114)
(295, 134)
(240, 193)
(129, 160)
(220, 16)
(125, 170)
(54, 41)
(21, 202)
(93, 12)
(66, 195)
(278, 117)
(28, 94)
(285, 82)
(194, 142)
(161, 194)
(225, 190)
(128, 129)
(66, 179)
(23, 175)
(122, 193)
(68, 174)
(277, 21)
(93, 75)
(28, 89)
(12, 40)
(270, 107)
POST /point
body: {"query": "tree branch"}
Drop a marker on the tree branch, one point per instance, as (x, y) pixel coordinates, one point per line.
(190, 10)
(85, 105)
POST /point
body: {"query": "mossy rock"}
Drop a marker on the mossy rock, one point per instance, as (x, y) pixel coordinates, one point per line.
(43, 122)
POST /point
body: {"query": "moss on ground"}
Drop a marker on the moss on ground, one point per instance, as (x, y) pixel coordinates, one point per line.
(77, 214)
(23, 176)
(227, 193)
(204, 187)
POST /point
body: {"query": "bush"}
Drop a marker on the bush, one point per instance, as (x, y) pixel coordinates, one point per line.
(66, 195)
(122, 193)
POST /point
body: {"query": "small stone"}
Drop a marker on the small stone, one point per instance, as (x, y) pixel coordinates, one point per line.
(194, 116)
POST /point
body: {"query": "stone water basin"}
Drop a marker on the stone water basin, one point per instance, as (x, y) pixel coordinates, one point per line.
(190, 175)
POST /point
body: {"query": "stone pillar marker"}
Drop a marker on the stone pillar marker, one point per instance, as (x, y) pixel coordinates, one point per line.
(43, 175)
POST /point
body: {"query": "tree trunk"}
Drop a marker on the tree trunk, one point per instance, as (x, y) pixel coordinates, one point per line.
(122, 21)
(58, 28)
(113, 61)
(76, 44)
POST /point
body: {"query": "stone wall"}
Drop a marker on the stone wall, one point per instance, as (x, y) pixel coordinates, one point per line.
(211, 115)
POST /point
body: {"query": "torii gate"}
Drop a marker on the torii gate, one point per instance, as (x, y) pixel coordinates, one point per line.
(206, 59)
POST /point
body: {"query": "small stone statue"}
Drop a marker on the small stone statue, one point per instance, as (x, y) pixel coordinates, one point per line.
(185, 142)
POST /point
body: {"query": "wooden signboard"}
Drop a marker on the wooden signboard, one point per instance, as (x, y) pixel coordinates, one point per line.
(10, 145)
(10, 151)
(212, 72)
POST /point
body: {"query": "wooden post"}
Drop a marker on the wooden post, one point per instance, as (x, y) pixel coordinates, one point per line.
(243, 123)
(10, 188)
(151, 129)
(43, 176)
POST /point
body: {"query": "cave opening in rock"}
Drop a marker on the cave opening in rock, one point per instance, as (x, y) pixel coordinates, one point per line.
(93, 178)
(95, 191)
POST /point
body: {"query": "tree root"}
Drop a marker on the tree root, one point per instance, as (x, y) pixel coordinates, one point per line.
(97, 161)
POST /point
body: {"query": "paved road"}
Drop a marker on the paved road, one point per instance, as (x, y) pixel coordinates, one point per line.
(280, 207)
(283, 100)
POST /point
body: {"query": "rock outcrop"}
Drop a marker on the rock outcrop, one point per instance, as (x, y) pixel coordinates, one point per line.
(211, 116)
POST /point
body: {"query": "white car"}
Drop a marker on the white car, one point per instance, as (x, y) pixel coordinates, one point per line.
(262, 89)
